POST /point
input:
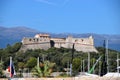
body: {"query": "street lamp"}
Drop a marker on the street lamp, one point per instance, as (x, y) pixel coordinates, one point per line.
(104, 63)
(72, 59)
(73, 52)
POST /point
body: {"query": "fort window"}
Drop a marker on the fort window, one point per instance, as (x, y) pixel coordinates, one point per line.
(40, 39)
(37, 40)
(82, 40)
(76, 40)
(30, 39)
(34, 39)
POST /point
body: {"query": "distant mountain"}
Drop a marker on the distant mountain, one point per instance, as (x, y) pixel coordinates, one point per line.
(113, 40)
(15, 34)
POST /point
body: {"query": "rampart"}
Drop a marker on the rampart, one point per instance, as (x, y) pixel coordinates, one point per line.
(44, 41)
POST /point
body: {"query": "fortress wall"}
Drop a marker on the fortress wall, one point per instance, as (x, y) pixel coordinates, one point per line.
(83, 41)
(81, 44)
(35, 40)
(39, 46)
(35, 46)
(85, 48)
(41, 41)
(59, 45)
(59, 42)
(35, 43)
(85, 45)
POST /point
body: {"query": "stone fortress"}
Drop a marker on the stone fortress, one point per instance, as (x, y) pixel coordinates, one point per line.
(44, 41)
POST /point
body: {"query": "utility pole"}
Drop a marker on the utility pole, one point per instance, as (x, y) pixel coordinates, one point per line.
(99, 68)
(104, 63)
(71, 69)
(92, 69)
(107, 55)
(67, 68)
(43, 58)
(118, 62)
(88, 61)
(73, 52)
(38, 63)
(10, 66)
(83, 66)
(72, 59)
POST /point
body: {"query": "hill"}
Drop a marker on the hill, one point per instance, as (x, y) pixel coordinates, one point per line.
(15, 34)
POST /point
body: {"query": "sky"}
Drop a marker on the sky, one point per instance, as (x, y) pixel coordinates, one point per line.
(62, 16)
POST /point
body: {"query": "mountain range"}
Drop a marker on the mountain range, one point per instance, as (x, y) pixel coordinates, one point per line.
(15, 34)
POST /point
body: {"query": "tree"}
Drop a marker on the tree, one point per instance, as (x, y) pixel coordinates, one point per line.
(16, 47)
(21, 65)
(44, 69)
(31, 62)
(1, 69)
(76, 64)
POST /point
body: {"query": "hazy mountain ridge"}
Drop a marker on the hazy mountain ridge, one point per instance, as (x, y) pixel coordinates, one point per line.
(15, 34)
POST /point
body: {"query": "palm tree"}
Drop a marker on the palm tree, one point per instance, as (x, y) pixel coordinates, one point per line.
(44, 69)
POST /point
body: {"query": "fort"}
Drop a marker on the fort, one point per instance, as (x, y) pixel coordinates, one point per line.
(44, 41)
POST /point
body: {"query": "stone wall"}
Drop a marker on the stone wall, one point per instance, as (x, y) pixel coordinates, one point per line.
(3, 79)
(35, 43)
(59, 42)
(81, 44)
(69, 78)
(41, 41)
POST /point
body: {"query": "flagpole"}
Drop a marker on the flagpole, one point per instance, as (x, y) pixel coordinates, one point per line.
(38, 62)
(10, 66)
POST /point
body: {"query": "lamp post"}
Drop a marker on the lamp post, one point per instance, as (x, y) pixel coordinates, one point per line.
(118, 67)
(104, 63)
(73, 52)
(106, 46)
(88, 61)
(72, 59)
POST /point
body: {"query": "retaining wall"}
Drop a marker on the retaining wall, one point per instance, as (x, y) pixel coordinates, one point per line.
(70, 78)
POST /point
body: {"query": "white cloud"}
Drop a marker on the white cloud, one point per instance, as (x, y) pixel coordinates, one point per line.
(47, 2)
(59, 3)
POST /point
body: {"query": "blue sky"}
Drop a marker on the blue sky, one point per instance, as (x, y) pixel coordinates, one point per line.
(59, 16)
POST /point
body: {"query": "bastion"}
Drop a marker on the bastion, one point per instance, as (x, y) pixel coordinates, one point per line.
(44, 41)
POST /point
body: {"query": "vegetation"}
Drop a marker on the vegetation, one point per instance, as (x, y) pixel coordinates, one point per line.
(61, 57)
(44, 69)
(1, 69)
